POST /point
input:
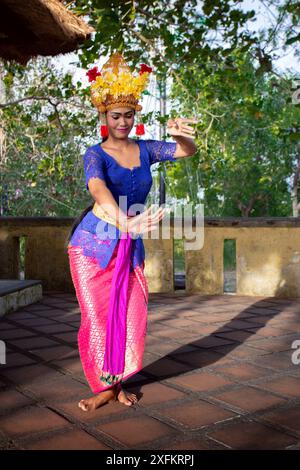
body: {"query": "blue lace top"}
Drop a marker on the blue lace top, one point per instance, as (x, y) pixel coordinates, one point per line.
(93, 234)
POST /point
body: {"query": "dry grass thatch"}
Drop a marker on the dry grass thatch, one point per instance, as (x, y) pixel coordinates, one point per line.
(38, 27)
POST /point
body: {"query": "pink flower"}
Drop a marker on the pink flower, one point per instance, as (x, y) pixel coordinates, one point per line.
(93, 73)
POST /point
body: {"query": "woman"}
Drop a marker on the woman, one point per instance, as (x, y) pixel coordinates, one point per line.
(105, 249)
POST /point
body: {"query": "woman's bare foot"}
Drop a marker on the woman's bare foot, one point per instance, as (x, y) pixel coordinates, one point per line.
(125, 397)
(90, 404)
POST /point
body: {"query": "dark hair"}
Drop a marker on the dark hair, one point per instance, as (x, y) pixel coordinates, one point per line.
(80, 217)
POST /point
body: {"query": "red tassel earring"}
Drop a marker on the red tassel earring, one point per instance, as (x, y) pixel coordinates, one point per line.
(104, 130)
(103, 127)
(140, 128)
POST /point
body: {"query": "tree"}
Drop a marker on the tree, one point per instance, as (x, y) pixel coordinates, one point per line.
(246, 140)
(48, 123)
(247, 162)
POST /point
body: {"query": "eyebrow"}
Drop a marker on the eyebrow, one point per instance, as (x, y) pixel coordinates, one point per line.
(113, 112)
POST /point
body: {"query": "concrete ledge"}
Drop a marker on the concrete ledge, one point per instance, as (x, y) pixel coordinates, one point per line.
(267, 255)
(11, 221)
(15, 294)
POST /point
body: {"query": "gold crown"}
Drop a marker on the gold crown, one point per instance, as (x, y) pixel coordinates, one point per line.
(116, 86)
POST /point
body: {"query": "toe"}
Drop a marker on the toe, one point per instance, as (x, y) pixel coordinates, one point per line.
(82, 405)
(127, 398)
(133, 398)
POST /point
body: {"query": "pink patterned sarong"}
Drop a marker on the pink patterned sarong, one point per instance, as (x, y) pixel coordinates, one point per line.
(102, 300)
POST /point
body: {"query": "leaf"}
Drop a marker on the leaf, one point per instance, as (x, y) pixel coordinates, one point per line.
(263, 179)
(294, 137)
(293, 39)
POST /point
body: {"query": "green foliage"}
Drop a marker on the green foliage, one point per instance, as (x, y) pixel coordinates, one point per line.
(246, 139)
(45, 137)
(248, 135)
(163, 32)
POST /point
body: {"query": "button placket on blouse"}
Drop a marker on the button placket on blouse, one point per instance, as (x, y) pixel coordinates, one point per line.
(132, 184)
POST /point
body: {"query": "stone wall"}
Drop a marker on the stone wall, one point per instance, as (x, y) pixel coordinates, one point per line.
(267, 254)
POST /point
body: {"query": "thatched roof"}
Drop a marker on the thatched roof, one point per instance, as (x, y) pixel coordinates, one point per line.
(39, 27)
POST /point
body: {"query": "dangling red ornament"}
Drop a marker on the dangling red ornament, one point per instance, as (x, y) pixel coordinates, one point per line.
(140, 129)
(104, 130)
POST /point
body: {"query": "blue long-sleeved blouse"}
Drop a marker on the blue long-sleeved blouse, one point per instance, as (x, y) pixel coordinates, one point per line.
(93, 234)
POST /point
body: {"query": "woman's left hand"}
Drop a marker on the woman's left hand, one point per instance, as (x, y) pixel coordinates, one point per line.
(179, 126)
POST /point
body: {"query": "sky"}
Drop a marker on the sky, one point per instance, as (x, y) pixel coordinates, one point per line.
(286, 61)
(282, 61)
(265, 18)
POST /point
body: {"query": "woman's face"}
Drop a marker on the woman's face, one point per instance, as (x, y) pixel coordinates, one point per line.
(120, 121)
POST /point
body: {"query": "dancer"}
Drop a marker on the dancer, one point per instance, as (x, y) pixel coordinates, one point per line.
(105, 246)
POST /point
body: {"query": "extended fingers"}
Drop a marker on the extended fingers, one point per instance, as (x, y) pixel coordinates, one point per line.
(150, 208)
(149, 217)
(184, 127)
(156, 216)
(151, 222)
(192, 121)
(188, 129)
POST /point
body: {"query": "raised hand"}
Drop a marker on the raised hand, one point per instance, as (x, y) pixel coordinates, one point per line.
(179, 126)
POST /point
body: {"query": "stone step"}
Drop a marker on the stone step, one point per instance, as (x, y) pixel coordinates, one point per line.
(15, 294)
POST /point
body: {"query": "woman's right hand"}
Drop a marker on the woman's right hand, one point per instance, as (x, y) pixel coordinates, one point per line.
(146, 221)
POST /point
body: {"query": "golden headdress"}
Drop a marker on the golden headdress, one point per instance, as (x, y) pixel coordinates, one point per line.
(116, 86)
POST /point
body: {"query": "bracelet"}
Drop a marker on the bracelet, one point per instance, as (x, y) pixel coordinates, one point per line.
(121, 228)
(110, 220)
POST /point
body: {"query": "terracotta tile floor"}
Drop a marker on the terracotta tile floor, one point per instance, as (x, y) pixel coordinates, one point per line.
(218, 374)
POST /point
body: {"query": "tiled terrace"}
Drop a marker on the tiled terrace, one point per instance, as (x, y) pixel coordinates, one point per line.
(218, 374)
